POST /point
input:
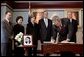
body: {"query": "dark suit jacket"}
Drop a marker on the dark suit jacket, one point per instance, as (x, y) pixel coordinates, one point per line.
(65, 22)
(62, 33)
(72, 30)
(6, 31)
(45, 32)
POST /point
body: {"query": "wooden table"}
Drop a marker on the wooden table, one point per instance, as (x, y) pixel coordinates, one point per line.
(49, 48)
(26, 48)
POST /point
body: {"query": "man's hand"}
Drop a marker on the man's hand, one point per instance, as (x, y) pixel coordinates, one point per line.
(65, 41)
(52, 40)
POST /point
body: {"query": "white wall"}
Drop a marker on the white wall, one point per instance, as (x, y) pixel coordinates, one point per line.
(79, 35)
(82, 17)
(59, 13)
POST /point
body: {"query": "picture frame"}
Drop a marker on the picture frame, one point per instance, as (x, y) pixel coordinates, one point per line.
(27, 41)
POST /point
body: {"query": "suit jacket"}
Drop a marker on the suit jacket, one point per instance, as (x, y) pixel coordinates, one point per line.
(45, 32)
(62, 33)
(65, 22)
(6, 31)
(72, 30)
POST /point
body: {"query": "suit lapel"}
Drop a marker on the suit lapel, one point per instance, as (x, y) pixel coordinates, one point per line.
(48, 24)
(8, 26)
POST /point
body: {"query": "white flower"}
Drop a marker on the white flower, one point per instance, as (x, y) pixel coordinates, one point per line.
(19, 36)
(19, 39)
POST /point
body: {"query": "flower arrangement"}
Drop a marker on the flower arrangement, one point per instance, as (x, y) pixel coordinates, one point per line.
(19, 37)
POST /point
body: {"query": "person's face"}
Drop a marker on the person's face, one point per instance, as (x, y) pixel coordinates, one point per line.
(32, 19)
(42, 14)
(8, 15)
(74, 15)
(39, 15)
(69, 15)
(54, 19)
(20, 21)
(58, 23)
(45, 14)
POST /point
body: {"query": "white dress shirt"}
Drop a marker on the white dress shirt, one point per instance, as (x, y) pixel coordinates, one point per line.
(46, 22)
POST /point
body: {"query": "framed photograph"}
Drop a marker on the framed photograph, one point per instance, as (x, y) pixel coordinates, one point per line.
(27, 40)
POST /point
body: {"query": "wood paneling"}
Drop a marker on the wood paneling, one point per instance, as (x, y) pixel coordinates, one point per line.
(45, 4)
(49, 5)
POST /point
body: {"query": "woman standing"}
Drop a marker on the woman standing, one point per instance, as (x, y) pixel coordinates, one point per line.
(17, 29)
(32, 29)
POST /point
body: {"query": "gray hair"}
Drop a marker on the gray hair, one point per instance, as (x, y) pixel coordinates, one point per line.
(55, 18)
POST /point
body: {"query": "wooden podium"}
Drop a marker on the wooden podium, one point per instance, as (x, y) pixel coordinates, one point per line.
(49, 48)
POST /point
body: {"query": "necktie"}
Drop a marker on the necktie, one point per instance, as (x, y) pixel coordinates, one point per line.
(9, 23)
(70, 25)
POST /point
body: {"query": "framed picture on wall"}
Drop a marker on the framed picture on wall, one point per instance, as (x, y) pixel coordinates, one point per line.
(27, 40)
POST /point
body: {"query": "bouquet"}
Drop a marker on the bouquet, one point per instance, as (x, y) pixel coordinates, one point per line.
(19, 37)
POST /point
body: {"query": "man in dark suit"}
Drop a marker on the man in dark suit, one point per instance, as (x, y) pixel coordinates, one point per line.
(6, 31)
(72, 27)
(64, 22)
(45, 26)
